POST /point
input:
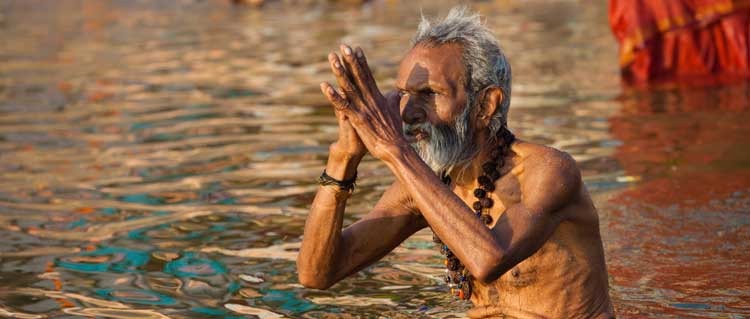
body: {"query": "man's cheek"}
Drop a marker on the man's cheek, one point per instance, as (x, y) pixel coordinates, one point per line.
(446, 109)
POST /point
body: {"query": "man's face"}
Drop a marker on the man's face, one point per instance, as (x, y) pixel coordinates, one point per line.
(434, 105)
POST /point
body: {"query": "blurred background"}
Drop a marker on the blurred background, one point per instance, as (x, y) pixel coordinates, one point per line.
(157, 159)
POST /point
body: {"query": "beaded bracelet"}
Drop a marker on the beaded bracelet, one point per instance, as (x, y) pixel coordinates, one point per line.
(345, 185)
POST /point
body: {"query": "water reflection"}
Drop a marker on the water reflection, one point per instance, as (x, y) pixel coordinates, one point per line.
(688, 143)
(136, 296)
(105, 260)
(158, 158)
(688, 218)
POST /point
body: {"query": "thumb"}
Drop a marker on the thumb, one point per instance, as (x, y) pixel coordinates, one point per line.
(392, 98)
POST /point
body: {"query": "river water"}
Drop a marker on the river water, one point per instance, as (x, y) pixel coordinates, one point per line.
(157, 160)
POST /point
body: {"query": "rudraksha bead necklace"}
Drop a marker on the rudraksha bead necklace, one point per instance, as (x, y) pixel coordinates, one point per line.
(456, 275)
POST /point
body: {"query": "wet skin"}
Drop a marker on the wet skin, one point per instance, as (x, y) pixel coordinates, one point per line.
(542, 257)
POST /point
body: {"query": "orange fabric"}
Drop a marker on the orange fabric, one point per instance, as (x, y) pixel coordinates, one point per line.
(682, 40)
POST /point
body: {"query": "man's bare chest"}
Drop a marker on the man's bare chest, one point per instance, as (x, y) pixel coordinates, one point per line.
(507, 193)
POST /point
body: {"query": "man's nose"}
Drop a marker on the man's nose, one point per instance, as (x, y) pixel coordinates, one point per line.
(412, 114)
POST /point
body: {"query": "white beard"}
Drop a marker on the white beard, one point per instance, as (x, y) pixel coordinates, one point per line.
(447, 147)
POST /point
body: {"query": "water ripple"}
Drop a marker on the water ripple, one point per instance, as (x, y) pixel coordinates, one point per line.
(157, 159)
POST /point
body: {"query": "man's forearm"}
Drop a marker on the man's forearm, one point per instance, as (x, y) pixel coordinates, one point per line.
(317, 258)
(448, 216)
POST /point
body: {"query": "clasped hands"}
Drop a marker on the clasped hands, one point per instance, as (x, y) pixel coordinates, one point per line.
(368, 120)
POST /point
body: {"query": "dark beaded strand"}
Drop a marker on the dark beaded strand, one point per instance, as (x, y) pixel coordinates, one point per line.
(457, 277)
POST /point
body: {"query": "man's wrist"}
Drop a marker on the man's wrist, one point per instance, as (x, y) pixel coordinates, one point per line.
(345, 185)
(334, 190)
(403, 161)
(342, 165)
(396, 152)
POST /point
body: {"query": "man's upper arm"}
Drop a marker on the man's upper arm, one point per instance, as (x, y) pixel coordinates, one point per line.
(551, 183)
(393, 219)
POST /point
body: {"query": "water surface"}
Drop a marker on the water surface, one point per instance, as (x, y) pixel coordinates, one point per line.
(157, 160)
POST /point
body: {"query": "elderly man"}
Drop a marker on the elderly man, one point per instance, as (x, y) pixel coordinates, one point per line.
(513, 219)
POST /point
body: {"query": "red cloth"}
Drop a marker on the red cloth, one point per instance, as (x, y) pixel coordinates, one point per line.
(682, 40)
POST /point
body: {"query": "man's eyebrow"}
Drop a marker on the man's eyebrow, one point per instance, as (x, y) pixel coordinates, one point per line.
(438, 88)
(423, 86)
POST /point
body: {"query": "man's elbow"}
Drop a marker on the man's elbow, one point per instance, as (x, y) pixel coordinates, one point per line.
(314, 282)
(309, 278)
(487, 276)
(490, 270)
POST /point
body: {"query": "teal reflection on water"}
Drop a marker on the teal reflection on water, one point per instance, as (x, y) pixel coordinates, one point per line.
(105, 259)
(202, 277)
(287, 300)
(191, 266)
(136, 296)
(227, 201)
(233, 287)
(215, 312)
(143, 233)
(78, 223)
(693, 306)
(234, 93)
(142, 199)
(109, 211)
(140, 126)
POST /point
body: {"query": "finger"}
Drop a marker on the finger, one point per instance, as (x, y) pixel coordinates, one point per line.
(342, 77)
(392, 96)
(393, 100)
(365, 70)
(336, 98)
(350, 62)
(339, 103)
(348, 103)
(360, 72)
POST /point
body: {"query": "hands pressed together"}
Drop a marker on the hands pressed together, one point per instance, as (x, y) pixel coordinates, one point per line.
(368, 120)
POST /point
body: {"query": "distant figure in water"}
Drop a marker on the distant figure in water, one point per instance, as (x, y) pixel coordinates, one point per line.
(518, 229)
(693, 41)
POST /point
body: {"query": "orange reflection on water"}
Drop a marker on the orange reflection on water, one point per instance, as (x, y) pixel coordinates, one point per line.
(682, 234)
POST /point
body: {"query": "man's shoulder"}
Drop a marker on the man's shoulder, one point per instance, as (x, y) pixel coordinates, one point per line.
(548, 172)
(545, 159)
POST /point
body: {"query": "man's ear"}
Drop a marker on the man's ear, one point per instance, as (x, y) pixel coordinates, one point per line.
(491, 98)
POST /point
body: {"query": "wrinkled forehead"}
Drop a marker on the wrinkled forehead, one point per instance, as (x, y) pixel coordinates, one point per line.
(430, 65)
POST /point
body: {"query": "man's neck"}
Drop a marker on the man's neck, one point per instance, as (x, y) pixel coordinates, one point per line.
(465, 177)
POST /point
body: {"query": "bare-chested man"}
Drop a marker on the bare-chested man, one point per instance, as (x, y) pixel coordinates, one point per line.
(517, 225)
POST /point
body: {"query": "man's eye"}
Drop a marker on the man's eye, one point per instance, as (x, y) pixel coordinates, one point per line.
(427, 92)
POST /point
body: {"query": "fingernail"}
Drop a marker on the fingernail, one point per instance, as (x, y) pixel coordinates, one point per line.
(336, 64)
(347, 50)
(359, 53)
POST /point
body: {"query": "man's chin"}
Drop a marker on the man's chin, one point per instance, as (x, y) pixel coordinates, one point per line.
(418, 138)
(421, 147)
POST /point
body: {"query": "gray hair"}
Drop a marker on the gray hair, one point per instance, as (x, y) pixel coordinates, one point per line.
(484, 61)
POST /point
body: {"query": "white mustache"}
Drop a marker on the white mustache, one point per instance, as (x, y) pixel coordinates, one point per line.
(442, 150)
(411, 129)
